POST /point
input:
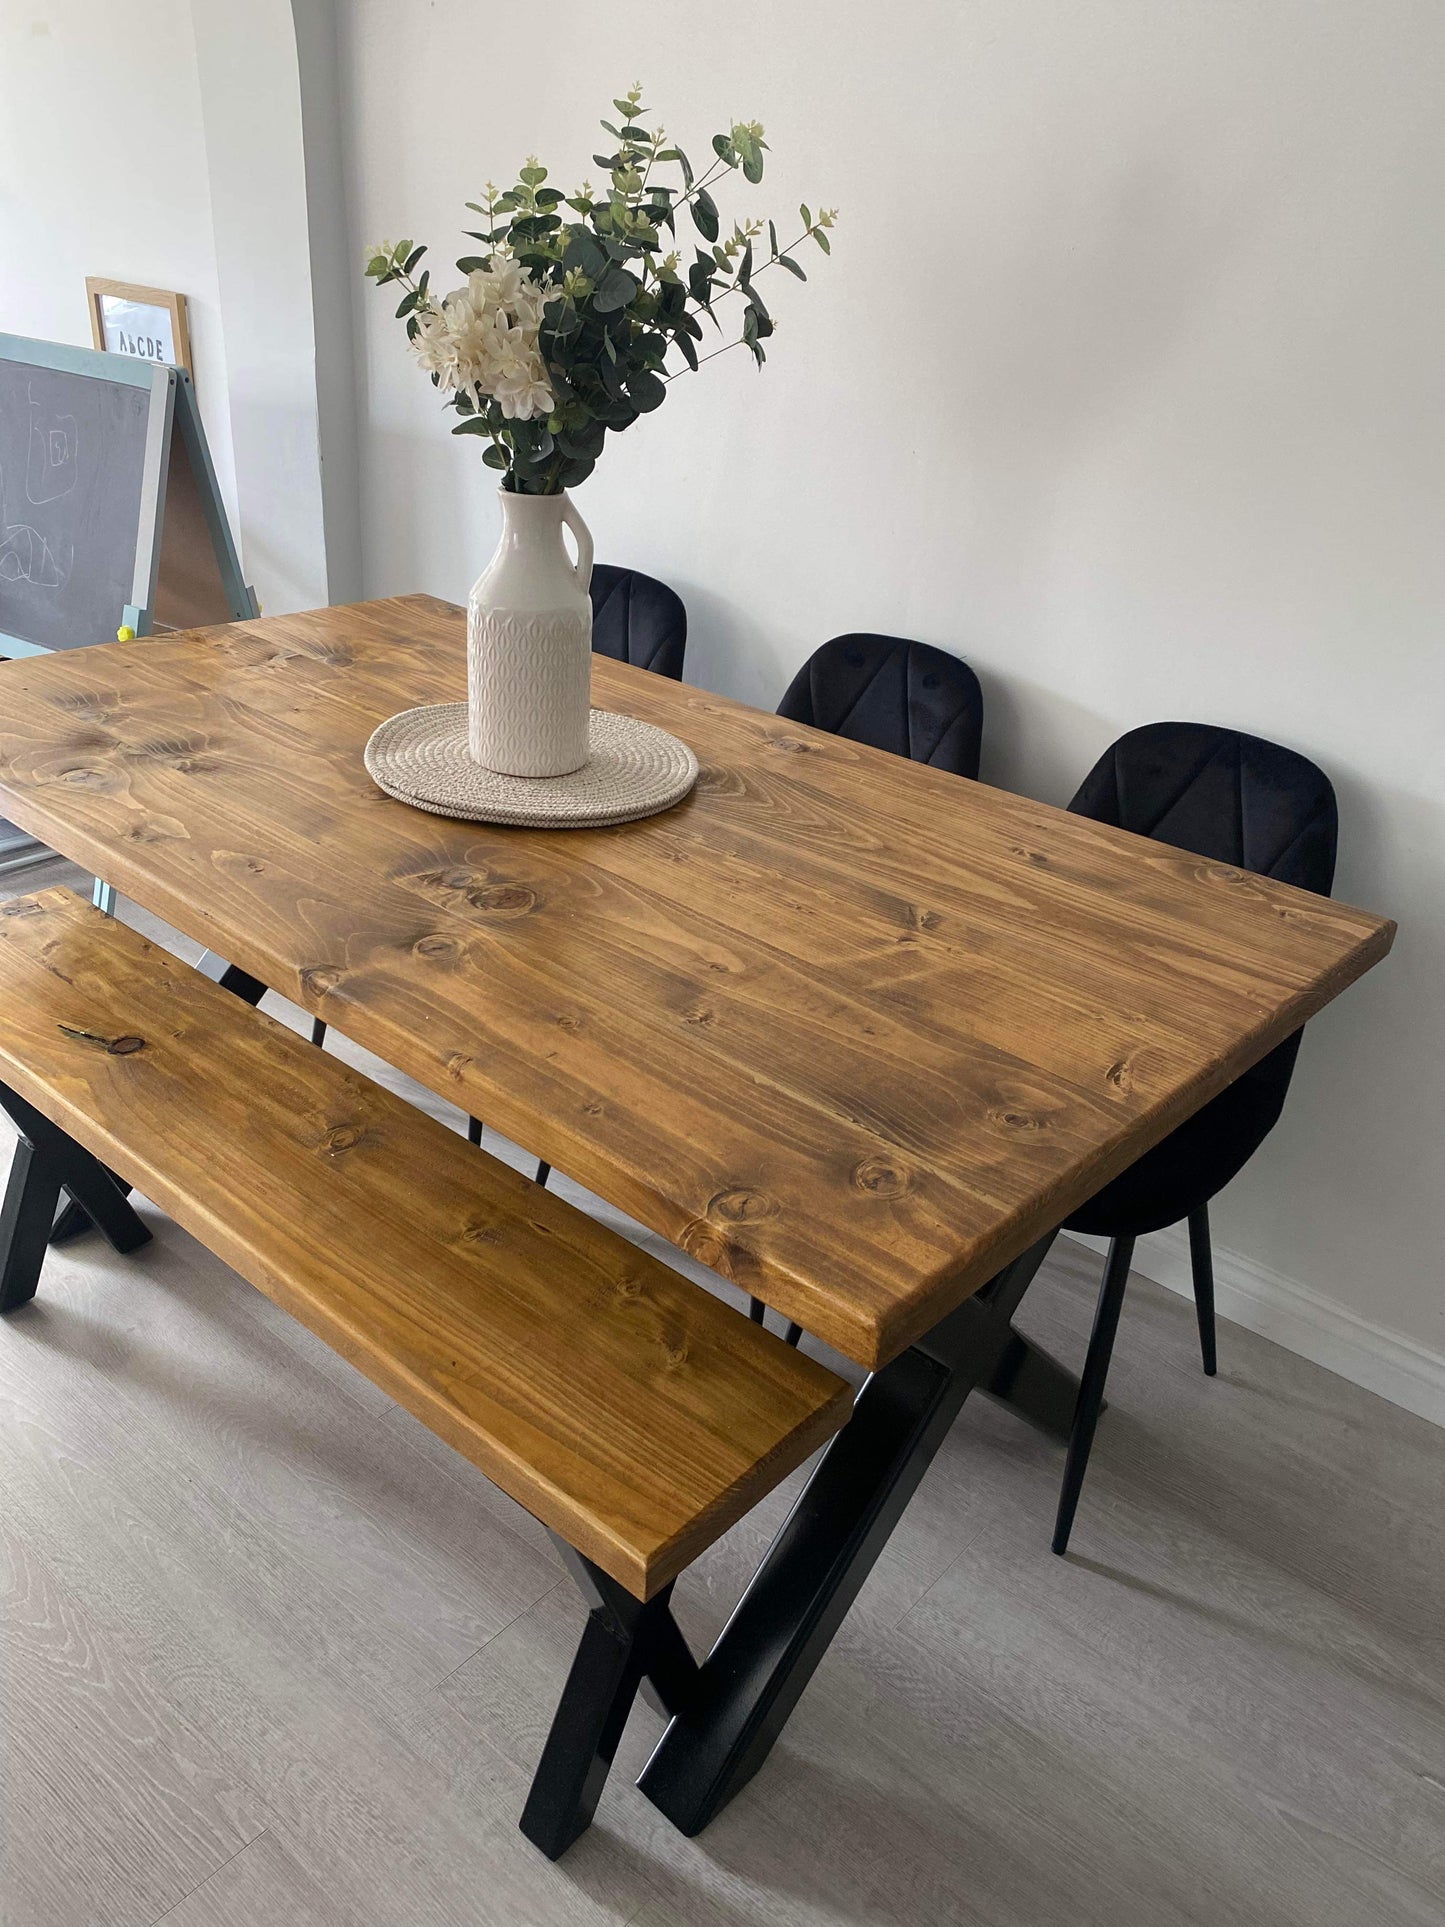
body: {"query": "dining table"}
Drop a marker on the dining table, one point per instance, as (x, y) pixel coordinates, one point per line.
(854, 1033)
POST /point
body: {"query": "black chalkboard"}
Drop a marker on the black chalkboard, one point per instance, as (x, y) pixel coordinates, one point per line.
(73, 480)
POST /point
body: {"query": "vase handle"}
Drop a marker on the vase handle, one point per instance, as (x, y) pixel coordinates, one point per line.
(582, 567)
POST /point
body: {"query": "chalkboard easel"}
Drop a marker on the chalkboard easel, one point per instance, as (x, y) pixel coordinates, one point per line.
(110, 514)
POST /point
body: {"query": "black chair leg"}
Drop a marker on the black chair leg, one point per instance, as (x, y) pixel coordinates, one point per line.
(474, 1130)
(318, 1030)
(1091, 1386)
(756, 1308)
(1201, 1260)
(792, 1334)
(544, 1171)
(25, 1220)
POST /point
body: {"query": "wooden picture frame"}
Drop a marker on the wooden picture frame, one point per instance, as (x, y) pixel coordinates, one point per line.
(112, 331)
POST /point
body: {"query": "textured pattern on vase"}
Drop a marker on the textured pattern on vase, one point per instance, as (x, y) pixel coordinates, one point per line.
(529, 688)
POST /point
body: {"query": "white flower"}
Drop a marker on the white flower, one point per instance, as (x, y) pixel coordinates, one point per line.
(483, 338)
(525, 397)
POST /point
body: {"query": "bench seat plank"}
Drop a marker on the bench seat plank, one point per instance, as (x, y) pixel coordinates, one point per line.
(628, 1409)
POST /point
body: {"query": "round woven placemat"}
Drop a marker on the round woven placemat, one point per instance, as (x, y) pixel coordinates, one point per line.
(634, 769)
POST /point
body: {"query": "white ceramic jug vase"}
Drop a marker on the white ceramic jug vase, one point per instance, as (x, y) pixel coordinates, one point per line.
(529, 643)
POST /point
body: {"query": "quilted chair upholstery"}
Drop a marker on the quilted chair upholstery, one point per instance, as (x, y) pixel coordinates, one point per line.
(637, 619)
(907, 697)
(1233, 799)
(1236, 799)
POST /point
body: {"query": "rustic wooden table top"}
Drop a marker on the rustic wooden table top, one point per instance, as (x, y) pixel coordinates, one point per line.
(850, 1030)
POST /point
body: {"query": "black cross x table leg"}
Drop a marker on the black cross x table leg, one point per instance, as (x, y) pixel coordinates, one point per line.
(47, 1161)
(623, 1641)
(753, 1678)
(73, 1220)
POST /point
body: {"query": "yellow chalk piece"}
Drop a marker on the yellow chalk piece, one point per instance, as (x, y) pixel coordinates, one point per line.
(125, 633)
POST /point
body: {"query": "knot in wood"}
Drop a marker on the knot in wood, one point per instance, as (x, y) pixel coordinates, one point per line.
(503, 899)
(880, 1177)
(319, 979)
(741, 1205)
(706, 1243)
(1015, 1120)
(342, 1137)
(436, 946)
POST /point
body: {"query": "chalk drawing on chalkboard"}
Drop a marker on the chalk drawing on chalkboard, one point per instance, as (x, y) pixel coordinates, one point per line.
(26, 556)
(54, 465)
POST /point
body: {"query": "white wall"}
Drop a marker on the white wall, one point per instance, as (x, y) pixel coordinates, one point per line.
(161, 142)
(103, 171)
(251, 112)
(1125, 380)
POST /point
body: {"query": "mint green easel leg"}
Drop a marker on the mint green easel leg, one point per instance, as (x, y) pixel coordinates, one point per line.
(103, 896)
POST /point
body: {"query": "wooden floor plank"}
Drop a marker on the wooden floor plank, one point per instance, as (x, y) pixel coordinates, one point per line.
(113, 1803)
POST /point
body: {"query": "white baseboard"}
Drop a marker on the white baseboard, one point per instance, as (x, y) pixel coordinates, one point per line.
(1302, 1320)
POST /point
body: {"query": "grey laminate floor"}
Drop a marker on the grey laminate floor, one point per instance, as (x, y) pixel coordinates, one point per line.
(270, 1654)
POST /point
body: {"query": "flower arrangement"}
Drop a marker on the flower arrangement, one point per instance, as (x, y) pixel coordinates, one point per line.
(563, 329)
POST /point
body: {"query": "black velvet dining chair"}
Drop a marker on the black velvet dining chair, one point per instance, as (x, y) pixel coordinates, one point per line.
(908, 697)
(1247, 802)
(637, 619)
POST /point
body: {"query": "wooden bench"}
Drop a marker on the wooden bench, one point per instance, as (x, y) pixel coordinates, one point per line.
(633, 1413)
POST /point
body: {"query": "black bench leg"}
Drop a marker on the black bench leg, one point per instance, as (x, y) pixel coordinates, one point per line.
(99, 1196)
(72, 1220)
(623, 1642)
(25, 1220)
(755, 1675)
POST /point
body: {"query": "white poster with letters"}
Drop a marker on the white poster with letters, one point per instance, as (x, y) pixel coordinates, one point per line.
(137, 328)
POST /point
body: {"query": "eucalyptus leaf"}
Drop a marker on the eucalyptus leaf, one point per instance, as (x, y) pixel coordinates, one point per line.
(615, 290)
(704, 214)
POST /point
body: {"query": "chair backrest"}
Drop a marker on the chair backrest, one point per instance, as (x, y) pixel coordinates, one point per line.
(1234, 798)
(907, 697)
(637, 619)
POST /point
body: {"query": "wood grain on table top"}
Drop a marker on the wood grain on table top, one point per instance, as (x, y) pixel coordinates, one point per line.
(633, 1413)
(851, 1030)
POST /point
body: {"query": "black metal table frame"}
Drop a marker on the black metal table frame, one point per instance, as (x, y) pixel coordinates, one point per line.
(727, 1712)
